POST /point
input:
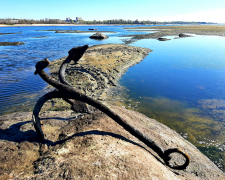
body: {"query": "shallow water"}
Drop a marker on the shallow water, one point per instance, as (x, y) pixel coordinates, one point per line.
(19, 87)
(181, 83)
(189, 68)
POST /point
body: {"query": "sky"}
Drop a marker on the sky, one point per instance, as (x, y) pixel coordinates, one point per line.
(154, 10)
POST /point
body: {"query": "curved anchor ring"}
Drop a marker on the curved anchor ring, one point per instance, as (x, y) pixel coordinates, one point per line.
(176, 150)
(66, 91)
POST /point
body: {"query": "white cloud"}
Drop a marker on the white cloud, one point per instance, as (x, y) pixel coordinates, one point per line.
(215, 15)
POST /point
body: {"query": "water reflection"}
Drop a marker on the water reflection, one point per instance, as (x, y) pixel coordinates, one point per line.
(181, 84)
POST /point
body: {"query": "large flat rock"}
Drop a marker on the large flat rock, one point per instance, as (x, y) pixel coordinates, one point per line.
(93, 146)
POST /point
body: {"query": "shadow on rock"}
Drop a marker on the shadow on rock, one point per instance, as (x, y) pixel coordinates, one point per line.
(13, 133)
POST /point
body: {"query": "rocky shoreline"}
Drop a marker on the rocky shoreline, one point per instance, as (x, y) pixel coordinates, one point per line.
(98, 70)
(93, 146)
(163, 31)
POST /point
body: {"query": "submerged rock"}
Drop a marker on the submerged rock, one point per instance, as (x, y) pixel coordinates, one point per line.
(98, 36)
(11, 43)
(93, 146)
(10, 33)
(42, 37)
(184, 35)
(163, 39)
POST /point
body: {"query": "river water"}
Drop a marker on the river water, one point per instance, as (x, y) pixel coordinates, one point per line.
(181, 83)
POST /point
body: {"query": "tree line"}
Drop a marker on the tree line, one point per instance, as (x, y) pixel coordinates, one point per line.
(112, 21)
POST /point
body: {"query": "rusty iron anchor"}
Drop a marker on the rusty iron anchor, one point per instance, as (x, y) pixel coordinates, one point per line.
(65, 91)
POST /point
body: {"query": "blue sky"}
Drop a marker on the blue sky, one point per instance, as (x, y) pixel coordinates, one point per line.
(158, 10)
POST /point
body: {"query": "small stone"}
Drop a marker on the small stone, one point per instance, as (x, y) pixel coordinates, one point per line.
(98, 36)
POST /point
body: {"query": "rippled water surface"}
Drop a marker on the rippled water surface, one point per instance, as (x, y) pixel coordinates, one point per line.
(19, 87)
(181, 83)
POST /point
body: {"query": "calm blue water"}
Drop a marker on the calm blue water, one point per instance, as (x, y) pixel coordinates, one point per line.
(19, 88)
(185, 69)
(181, 83)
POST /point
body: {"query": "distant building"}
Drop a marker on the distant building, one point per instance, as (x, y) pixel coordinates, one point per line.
(47, 19)
(68, 19)
(78, 18)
